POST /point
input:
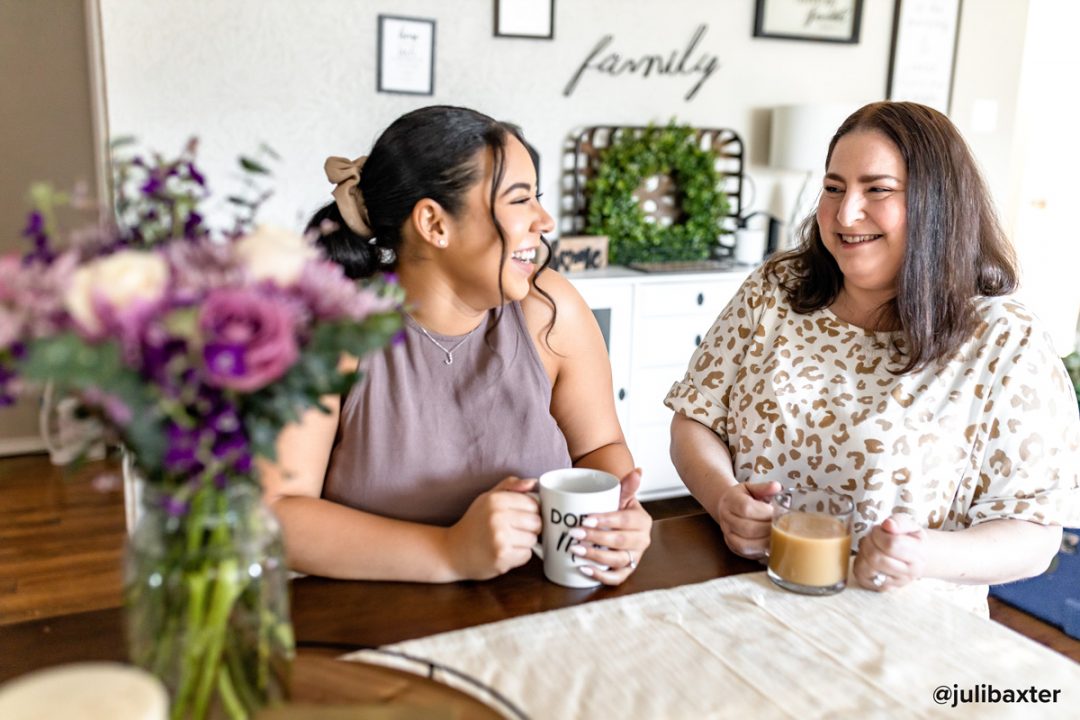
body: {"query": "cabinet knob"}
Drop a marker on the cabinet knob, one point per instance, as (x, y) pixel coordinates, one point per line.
(697, 340)
(701, 298)
(622, 393)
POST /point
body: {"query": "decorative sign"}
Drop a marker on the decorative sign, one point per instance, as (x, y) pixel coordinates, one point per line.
(406, 59)
(525, 19)
(924, 52)
(674, 62)
(819, 20)
(584, 252)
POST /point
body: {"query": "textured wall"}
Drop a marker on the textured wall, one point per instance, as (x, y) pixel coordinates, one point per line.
(301, 76)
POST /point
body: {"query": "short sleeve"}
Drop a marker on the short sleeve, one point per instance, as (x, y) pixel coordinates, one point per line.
(1030, 459)
(704, 392)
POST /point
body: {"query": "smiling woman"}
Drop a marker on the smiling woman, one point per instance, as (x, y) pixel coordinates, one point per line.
(884, 358)
(422, 471)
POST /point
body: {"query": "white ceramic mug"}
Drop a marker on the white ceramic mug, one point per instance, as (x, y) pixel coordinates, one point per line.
(567, 497)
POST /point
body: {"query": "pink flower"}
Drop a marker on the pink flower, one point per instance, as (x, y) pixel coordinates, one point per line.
(331, 295)
(9, 270)
(249, 338)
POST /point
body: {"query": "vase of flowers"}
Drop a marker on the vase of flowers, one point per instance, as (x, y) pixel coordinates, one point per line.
(195, 347)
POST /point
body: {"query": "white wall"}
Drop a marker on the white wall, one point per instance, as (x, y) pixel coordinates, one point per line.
(989, 57)
(1046, 156)
(301, 76)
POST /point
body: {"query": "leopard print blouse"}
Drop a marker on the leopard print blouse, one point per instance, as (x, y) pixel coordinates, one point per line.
(808, 400)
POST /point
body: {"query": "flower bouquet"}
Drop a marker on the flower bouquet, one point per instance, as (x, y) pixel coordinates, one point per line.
(195, 347)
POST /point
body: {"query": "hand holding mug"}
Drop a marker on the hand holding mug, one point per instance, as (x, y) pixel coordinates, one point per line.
(497, 532)
(615, 540)
(745, 516)
(892, 555)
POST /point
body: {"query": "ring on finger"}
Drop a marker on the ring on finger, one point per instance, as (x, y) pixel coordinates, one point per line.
(630, 557)
(878, 579)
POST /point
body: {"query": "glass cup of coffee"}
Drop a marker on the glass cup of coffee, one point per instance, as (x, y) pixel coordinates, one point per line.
(811, 540)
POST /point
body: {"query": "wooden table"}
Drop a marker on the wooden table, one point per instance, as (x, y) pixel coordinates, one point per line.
(331, 615)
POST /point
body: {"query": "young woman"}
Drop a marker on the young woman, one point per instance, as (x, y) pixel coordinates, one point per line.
(422, 471)
(885, 358)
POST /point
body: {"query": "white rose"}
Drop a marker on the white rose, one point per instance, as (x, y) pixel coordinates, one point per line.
(121, 279)
(271, 253)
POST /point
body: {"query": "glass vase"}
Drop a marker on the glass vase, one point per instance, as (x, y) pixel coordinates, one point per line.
(207, 600)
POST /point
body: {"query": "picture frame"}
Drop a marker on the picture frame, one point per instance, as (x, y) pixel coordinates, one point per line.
(922, 61)
(528, 19)
(835, 21)
(405, 60)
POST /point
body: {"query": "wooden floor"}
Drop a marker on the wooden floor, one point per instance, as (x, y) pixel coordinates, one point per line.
(62, 536)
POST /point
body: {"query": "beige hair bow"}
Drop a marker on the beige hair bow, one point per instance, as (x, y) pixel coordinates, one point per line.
(345, 174)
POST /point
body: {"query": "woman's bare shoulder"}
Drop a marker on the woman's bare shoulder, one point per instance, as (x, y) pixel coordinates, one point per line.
(570, 309)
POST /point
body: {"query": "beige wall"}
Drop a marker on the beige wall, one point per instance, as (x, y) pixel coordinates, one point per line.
(45, 133)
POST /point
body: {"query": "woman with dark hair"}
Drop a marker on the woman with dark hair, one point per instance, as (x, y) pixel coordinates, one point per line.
(422, 471)
(883, 357)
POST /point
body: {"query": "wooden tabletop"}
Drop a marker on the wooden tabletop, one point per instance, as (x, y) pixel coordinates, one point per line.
(330, 615)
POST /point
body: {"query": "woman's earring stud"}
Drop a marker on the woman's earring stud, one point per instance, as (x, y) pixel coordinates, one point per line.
(442, 242)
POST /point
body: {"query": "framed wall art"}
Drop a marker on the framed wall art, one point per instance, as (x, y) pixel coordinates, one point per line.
(924, 52)
(835, 21)
(534, 19)
(406, 55)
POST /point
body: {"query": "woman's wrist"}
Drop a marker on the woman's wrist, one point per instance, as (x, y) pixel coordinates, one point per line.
(446, 567)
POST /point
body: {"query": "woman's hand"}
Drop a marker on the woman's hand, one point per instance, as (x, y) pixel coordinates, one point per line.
(615, 539)
(745, 516)
(892, 555)
(497, 532)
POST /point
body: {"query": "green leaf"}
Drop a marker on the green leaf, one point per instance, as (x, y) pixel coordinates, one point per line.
(253, 166)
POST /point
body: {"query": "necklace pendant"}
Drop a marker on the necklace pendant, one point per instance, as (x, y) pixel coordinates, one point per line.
(449, 359)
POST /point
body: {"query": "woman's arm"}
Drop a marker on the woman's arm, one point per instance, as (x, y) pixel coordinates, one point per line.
(997, 551)
(325, 538)
(702, 461)
(741, 509)
(993, 552)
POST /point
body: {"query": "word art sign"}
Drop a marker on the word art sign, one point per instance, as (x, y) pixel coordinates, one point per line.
(586, 252)
(685, 61)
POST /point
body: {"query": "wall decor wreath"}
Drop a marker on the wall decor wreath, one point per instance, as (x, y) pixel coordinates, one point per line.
(635, 236)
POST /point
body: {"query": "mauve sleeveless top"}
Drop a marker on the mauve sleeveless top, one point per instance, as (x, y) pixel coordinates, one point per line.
(419, 440)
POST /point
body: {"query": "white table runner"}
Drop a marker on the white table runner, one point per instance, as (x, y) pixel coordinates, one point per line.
(740, 647)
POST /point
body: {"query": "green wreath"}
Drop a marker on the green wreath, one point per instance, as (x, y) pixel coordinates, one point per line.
(613, 211)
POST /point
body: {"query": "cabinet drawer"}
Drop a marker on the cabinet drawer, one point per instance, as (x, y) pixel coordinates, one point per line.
(668, 340)
(706, 298)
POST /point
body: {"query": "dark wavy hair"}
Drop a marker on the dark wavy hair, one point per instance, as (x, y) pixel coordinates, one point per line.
(956, 250)
(433, 152)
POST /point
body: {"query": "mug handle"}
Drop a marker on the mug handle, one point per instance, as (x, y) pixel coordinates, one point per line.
(538, 548)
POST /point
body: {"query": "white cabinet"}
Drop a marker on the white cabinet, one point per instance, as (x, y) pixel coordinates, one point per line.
(652, 325)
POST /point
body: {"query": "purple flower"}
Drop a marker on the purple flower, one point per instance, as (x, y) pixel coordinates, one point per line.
(192, 225)
(115, 408)
(249, 338)
(233, 450)
(324, 287)
(36, 232)
(196, 175)
(181, 457)
(152, 185)
(174, 507)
